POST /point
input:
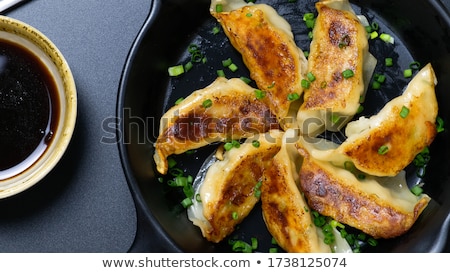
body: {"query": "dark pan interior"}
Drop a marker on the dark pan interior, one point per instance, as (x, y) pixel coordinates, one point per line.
(421, 30)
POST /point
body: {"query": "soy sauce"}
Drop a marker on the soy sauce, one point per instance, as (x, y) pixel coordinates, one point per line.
(28, 108)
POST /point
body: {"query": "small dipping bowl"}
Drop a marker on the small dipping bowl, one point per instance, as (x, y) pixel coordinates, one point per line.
(38, 106)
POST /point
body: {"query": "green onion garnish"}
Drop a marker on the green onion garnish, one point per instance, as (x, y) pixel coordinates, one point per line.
(348, 73)
(260, 94)
(176, 70)
(215, 30)
(246, 80)
(383, 150)
(207, 103)
(305, 84)
(414, 65)
(186, 202)
(439, 124)
(233, 67)
(256, 143)
(417, 190)
(404, 112)
(407, 73)
(227, 62)
(220, 73)
(311, 76)
(388, 62)
(387, 38)
(293, 97)
(219, 8)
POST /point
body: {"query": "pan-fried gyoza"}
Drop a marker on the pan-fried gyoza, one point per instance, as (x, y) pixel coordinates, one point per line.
(382, 207)
(224, 110)
(384, 144)
(339, 69)
(268, 49)
(231, 186)
(360, 182)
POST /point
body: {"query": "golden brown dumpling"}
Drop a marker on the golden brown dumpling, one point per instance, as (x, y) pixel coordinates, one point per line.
(285, 211)
(224, 110)
(382, 207)
(228, 190)
(268, 49)
(387, 142)
(339, 67)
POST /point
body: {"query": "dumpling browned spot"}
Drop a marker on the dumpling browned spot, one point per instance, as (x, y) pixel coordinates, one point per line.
(224, 110)
(267, 46)
(285, 211)
(340, 64)
(229, 190)
(386, 143)
(382, 207)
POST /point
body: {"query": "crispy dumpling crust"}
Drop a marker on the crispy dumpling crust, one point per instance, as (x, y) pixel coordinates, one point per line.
(404, 137)
(339, 44)
(234, 113)
(337, 193)
(229, 186)
(275, 62)
(285, 212)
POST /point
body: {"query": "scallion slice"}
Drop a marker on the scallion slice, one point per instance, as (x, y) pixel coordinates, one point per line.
(383, 150)
(404, 112)
(176, 70)
(207, 103)
(348, 73)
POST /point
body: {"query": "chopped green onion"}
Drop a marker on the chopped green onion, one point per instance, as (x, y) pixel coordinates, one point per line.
(171, 162)
(439, 124)
(176, 70)
(271, 85)
(273, 250)
(246, 80)
(374, 26)
(311, 76)
(227, 62)
(404, 112)
(305, 84)
(380, 78)
(256, 143)
(220, 73)
(219, 8)
(335, 118)
(241, 246)
(387, 38)
(306, 53)
(414, 65)
(178, 101)
(215, 30)
(348, 73)
(360, 109)
(372, 242)
(383, 150)
(254, 243)
(207, 103)
(373, 35)
(293, 96)
(388, 62)
(417, 190)
(344, 41)
(188, 66)
(234, 215)
(198, 197)
(228, 146)
(260, 94)
(376, 85)
(233, 67)
(407, 73)
(186, 202)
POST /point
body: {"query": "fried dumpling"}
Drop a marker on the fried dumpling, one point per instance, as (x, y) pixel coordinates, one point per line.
(224, 110)
(339, 69)
(387, 142)
(229, 189)
(382, 207)
(285, 211)
(268, 49)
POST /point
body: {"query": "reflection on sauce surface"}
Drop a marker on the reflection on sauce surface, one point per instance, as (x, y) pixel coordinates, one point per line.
(28, 108)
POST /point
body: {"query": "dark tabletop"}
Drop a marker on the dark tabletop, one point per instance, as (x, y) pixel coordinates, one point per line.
(84, 204)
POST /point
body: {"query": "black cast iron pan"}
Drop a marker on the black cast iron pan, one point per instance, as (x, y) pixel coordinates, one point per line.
(422, 33)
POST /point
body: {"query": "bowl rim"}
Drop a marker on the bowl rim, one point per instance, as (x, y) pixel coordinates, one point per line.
(68, 96)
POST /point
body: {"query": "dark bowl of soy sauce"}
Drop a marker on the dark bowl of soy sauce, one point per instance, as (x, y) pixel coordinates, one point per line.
(38, 106)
